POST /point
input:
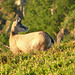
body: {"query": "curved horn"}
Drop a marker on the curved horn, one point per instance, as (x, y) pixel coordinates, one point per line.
(17, 19)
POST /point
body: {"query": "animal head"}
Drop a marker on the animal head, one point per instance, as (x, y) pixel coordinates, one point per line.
(18, 26)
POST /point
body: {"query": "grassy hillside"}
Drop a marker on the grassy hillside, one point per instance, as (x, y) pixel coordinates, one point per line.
(46, 15)
(60, 60)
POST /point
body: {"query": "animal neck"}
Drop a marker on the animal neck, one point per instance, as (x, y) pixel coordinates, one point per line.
(13, 30)
(13, 33)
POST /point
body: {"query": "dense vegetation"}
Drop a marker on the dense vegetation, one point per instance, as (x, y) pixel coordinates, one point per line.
(46, 15)
(60, 60)
(39, 15)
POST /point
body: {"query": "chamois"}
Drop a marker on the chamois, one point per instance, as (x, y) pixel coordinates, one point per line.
(39, 40)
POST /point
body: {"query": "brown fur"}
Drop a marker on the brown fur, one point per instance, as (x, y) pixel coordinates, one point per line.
(29, 42)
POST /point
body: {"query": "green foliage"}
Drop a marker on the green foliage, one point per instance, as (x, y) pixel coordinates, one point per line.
(56, 61)
(68, 38)
(38, 14)
(69, 20)
(9, 5)
(60, 60)
(4, 38)
(3, 41)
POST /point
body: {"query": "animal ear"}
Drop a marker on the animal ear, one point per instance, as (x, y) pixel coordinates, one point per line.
(17, 19)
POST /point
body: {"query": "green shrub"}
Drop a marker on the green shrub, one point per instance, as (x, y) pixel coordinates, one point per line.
(53, 61)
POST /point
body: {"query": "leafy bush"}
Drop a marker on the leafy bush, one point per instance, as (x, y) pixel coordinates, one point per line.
(68, 38)
(4, 38)
(4, 42)
(54, 61)
(38, 15)
(60, 59)
(9, 5)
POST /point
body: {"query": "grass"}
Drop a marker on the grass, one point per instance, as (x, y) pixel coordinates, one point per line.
(60, 60)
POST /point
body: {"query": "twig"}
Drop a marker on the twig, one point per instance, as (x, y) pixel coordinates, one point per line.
(4, 45)
(1, 49)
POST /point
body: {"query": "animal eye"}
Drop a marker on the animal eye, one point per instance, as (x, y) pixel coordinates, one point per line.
(19, 24)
